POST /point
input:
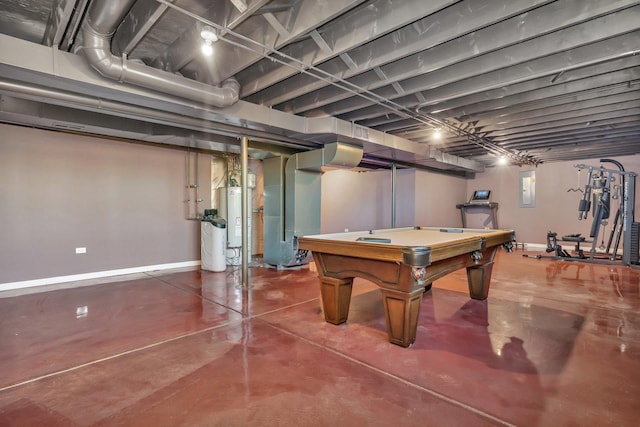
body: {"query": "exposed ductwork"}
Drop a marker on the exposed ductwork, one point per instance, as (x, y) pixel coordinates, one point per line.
(292, 194)
(102, 19)
(48, 75)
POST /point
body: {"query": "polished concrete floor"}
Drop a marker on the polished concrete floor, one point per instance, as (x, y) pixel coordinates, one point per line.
(556, 344)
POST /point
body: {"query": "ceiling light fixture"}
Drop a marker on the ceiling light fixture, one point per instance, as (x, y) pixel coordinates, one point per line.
(503, 160)
(209, 35)
(437, 135)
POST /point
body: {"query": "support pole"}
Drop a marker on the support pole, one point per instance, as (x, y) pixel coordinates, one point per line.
(629, 201)
(245, 209)
(393, 194)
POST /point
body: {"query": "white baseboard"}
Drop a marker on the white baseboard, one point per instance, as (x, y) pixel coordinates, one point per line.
(534, 246)
(94, 275)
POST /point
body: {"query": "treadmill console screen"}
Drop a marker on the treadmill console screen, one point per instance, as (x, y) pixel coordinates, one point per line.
(481, 196)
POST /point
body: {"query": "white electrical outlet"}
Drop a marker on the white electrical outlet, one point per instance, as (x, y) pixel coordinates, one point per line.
(81, 250)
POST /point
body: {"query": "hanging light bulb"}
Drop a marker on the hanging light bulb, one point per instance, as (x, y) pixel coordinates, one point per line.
(503, 160)
(437, 135)
(210, 36)
(207, 48)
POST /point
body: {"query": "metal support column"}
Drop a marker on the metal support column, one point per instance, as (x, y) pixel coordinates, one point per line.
(628, 202)
(393, 195)
(245, 209)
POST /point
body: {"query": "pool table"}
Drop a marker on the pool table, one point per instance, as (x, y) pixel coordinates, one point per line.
(403, 262)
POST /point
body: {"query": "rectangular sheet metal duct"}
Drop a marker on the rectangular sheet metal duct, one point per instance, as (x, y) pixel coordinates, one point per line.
(292, 198)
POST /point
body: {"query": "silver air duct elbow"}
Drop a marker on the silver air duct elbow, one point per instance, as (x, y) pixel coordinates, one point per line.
(103, 18)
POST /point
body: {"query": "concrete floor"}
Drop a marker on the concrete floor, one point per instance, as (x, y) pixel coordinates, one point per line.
(556, 344)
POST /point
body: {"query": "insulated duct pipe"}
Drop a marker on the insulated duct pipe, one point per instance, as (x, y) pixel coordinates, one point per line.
(102, 20)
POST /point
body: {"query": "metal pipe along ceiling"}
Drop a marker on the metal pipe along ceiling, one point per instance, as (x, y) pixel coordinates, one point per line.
(103, 18)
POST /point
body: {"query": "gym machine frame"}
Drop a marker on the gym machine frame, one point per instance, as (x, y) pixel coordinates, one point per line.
(598, 185)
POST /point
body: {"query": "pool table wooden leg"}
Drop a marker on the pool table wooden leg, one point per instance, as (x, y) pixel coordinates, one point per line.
(401, 311)
(479, 278)
(336, 298)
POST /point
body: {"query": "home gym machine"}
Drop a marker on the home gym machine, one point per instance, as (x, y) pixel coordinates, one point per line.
(597, 197)
(604, 185)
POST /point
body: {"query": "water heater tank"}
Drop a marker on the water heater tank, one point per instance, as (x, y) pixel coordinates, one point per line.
(230, 209)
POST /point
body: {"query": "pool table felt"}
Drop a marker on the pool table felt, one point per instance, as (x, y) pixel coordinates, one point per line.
(425, 236)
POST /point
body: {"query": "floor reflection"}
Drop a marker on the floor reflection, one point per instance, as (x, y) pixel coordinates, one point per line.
(196, 348)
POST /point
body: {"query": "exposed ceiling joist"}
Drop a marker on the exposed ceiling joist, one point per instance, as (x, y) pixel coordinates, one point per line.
(534, 81)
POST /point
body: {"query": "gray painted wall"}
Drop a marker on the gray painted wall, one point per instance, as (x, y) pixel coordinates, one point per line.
(123, 202)
(436, 198)
(362, 200)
